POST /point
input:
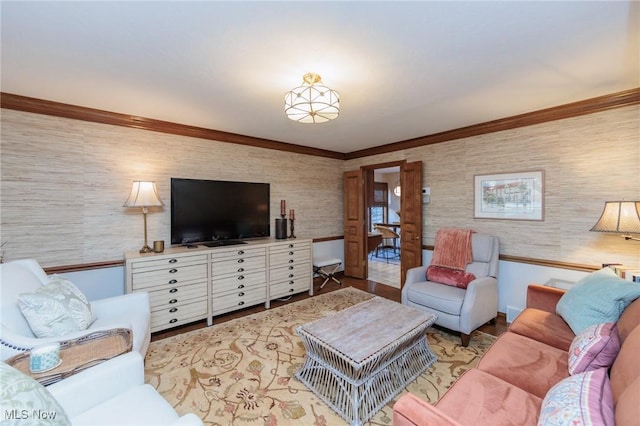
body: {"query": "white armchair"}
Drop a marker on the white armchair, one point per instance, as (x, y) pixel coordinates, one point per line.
(114, 393)
(459, 309)
(22, 276)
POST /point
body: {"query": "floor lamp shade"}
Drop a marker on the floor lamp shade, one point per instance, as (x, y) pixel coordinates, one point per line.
(144, 195)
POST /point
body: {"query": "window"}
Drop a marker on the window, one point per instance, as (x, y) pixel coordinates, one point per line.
(379, 208)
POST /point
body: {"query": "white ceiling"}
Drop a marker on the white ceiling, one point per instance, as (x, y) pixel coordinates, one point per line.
(403, 69)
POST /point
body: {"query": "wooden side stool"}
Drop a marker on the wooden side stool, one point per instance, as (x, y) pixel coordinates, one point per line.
(321, 267)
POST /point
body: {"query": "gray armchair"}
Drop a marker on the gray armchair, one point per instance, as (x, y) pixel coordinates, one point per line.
(460, 309)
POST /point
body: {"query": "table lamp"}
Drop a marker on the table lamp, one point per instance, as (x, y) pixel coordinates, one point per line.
(145, 195)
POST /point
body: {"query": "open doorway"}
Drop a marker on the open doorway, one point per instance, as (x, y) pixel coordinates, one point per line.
(357, 184)
(384, 226)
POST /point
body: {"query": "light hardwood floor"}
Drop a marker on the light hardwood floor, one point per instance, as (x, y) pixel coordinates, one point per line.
(369, 286)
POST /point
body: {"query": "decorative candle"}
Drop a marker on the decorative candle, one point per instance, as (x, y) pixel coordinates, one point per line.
(292, 214)
(283, 207)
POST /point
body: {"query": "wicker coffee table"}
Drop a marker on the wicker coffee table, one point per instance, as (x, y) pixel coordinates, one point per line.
(359, 358)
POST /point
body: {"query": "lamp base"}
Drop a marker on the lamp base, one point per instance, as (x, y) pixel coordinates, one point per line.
(146, 249)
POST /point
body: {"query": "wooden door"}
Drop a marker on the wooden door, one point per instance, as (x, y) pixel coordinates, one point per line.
(355, 249)
(411, 217)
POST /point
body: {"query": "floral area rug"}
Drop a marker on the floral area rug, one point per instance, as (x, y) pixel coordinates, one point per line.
(241, 372)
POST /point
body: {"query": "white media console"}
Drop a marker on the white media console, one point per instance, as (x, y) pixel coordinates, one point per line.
(191, 284)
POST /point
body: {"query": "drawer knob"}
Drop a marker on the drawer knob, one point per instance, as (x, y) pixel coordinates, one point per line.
(240, 269)
(173, 281)
(241, 286)
(290, 268)
(241, 277)
(173, 301)
(173, 260)
(241, 294)
(290, 245)
(241, 252)
(290, 260)
(173, 271)
(173, 320)
(292, 282)
(291, 290)
(173, 310)
(290, 253)
(240, 303)
(290, 275)
(240, 260)
(173, 290)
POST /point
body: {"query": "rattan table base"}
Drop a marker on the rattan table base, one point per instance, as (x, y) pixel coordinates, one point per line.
(358, 359)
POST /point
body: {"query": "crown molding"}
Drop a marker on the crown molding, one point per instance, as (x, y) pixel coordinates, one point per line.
(58, 109)
(575, 109)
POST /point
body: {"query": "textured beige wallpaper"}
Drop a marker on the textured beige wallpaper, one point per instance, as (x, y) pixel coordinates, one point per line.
(586, 160)
(64, 182)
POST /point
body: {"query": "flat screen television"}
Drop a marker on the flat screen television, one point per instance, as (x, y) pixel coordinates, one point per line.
(215, 212)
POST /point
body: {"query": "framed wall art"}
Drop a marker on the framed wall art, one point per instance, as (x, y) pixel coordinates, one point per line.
(514, 196)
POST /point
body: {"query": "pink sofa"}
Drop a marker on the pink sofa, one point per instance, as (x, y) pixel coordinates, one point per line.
(508, 385)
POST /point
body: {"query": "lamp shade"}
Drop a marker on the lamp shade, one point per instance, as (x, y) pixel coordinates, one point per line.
(620, 217)
(143, 194)
(313, 102)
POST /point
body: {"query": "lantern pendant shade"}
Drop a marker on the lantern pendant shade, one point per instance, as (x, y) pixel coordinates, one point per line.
(313, 102)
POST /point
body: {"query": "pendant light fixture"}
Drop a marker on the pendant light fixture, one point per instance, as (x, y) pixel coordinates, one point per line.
(313, 102)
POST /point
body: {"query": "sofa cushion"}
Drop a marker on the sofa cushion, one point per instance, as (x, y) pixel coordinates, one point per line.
(443, 298)
(594, 348)
(626, 368)
(583, 399)
(56, 309)
(526, 363)
(478, 398)
(25, 401)
(629, 320)
(599, 297)
(544, 327)
(448, 276)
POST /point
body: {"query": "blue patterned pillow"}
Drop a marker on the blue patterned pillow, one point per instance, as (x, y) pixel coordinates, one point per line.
(584, 399)
(599, 297)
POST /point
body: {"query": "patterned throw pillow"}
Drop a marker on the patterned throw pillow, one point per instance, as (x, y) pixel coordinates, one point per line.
(599, 297)
(24, 401)
(594, 348)
(56, 309)
(584, 399)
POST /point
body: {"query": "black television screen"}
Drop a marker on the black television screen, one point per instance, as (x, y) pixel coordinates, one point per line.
(218, 211)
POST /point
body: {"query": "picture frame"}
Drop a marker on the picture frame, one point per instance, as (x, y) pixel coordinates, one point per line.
(510, 196)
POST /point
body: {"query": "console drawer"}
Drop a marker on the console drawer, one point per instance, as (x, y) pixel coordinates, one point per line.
(176, 275)
(238, 300)
(178, 315)
(174, 294)
(238, 265)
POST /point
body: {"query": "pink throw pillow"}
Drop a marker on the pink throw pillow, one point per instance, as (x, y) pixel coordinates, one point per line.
(596, 347)
(583, 399)
(447, 276)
